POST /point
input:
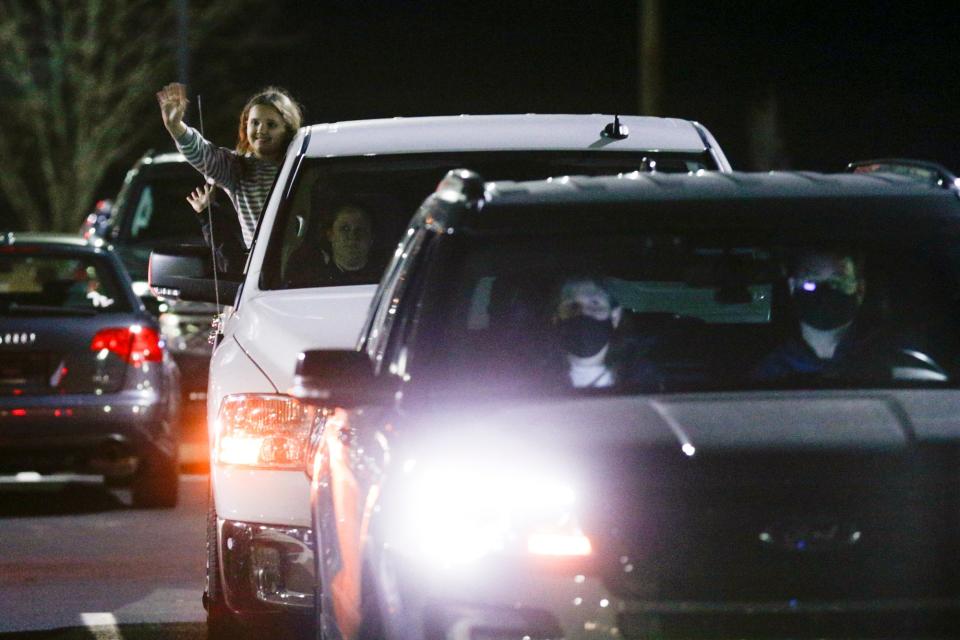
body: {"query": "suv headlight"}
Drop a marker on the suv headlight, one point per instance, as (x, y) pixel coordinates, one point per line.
(263, 430)
(456, 514)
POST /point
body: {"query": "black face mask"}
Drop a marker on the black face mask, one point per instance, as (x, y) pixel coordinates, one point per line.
(584, 336)
(826, 308)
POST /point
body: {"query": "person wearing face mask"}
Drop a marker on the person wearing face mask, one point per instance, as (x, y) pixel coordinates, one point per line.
(585, 320)
(826, 291)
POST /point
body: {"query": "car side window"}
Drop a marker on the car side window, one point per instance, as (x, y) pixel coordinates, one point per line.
(143, 213)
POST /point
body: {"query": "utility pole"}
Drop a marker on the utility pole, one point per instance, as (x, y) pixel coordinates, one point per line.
(649, 81)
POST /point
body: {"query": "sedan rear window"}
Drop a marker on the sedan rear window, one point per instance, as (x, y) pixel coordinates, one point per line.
(37, 284)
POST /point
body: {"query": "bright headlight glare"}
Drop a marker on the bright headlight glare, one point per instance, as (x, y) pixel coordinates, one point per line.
(453, 516)
(260, 430)
(569, 544)
(141, 288)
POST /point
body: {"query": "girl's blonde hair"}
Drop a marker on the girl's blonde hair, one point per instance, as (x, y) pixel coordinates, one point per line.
(280, 100)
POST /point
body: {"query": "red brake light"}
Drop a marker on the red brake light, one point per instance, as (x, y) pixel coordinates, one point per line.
(134, 344)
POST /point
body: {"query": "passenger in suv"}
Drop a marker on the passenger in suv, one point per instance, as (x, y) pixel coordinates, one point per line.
(259, 527)
(826, 291)
(456, 495)
(593, 354)
(340, 253)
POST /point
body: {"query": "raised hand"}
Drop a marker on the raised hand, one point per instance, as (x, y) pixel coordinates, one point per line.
(201, 197)
(173, 104)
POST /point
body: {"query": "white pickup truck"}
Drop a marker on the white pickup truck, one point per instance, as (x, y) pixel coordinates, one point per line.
(301, 291)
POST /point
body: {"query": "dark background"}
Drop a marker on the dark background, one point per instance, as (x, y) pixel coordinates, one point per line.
(837, 81)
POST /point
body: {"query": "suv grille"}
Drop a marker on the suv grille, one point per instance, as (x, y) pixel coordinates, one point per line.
(765, 536)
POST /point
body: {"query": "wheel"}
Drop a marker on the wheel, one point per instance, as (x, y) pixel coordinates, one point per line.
(156, 483)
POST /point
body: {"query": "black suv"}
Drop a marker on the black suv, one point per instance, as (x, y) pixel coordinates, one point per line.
(649, 406)
(151, 212)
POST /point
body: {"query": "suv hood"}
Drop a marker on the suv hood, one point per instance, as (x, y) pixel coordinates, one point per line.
(874, 420)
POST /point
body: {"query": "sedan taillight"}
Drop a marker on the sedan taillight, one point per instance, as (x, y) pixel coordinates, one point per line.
(134, 344)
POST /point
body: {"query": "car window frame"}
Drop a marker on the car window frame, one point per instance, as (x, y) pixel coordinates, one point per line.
(383, 315)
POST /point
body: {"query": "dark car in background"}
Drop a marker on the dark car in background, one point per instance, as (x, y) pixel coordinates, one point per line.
(465, 484)
(87, 385)
(150, 212)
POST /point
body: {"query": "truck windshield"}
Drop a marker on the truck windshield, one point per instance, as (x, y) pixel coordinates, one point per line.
(345, 215)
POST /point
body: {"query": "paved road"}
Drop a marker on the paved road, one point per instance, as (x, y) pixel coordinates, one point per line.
(78, 561)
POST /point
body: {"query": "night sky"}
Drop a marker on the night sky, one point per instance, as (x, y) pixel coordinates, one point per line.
(821, 83)
(846, 82)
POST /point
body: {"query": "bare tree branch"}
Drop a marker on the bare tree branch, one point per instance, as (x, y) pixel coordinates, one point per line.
(78, 79)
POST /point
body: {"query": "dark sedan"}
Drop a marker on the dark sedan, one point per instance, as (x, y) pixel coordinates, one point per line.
(87, 385)
(652, 406)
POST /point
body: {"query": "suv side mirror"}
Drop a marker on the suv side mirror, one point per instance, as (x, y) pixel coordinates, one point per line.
(184, 272)
(339, 378)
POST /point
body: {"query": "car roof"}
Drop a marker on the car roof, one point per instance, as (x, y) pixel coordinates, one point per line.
(775, 196)
(711, 185)
(467, 133)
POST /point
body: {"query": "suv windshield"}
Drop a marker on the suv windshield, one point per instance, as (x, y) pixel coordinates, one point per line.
(684, 312)
(37, 284)
(345, 215)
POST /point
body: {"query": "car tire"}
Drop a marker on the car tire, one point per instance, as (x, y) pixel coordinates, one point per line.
(156, 484)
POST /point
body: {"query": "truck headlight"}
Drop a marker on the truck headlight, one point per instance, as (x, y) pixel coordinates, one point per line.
(453, 515)
(263, 430)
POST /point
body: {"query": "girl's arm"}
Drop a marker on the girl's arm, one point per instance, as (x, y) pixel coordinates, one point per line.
(214, 162)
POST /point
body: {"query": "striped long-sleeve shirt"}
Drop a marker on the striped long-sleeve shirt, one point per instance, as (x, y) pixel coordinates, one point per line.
(246, 179)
